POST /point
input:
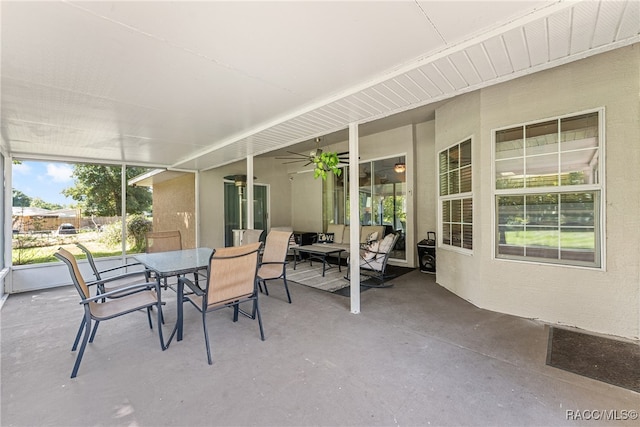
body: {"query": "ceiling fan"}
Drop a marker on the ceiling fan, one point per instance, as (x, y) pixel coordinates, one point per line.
(312, 156)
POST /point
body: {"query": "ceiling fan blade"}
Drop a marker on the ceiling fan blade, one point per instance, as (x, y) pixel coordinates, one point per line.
(293, 161)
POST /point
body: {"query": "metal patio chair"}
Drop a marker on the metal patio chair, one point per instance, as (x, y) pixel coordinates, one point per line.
(373, 261)
(130, 299)
(231, 280)
(274, 260)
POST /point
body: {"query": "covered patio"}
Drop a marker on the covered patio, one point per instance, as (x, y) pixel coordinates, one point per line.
(203, 91)
(419, 355)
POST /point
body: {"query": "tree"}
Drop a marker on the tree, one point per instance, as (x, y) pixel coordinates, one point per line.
(98, 190)
(37, 202)
(20, 199)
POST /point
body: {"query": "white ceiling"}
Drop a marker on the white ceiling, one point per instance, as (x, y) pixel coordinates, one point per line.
(200, 84)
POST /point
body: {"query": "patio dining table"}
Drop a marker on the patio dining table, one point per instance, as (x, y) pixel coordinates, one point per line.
(175, 263)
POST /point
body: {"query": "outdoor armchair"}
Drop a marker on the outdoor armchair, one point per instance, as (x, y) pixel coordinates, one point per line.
(115, 281)
(231, 280)
(96, 308)
(274, 260)
(373, 260)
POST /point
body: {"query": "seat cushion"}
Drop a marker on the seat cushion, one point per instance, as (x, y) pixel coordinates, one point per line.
(338, 231)
(368, 231)
(387, 242)
(371, 251)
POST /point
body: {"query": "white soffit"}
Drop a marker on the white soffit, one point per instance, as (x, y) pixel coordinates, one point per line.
(544, 39)
(196, 85)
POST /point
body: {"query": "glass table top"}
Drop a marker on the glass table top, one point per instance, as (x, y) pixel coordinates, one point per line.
(175, 262)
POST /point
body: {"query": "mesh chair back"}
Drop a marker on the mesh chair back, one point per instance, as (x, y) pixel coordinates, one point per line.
(232, 273)
(251, 236)
(92, 263)
(163, 241)
(68, 258)
(276, 246)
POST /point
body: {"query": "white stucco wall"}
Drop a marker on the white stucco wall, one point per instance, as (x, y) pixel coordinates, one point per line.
(426, 182)
(268, 171)
(174, 207)
(306, 203)
(599, 300)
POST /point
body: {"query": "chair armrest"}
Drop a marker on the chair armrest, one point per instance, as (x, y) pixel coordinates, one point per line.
(273, 262)
(195, 289)
(120, 292)
(118, 277)
(119, 267)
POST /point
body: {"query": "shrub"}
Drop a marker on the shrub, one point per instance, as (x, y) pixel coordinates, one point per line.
(137, 227)
(111, 234)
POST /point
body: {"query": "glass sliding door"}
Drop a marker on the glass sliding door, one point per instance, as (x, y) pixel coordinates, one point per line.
(388, 201)
(382, 197)
(235, 209)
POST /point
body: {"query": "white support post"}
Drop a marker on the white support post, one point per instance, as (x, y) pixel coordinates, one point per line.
(354, 218)
(6, 277)
(249, 194)
(123, 208)
(197, 206)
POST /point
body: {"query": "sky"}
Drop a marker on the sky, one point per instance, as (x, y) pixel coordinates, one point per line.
(44, 180)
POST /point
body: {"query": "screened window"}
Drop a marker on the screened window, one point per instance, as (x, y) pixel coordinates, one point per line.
(456, 198)
(548, 191)
(60, 204)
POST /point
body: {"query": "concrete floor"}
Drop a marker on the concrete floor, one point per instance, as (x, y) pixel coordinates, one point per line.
(416, 355)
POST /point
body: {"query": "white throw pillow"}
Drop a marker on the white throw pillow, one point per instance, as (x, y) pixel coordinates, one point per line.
(385, 245)
(372, 251)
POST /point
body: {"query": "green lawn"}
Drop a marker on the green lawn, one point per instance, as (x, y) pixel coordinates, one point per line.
(549, 238)
(40, 249)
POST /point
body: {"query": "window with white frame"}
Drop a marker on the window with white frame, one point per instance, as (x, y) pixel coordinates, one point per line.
(455, 196)
(548, 190)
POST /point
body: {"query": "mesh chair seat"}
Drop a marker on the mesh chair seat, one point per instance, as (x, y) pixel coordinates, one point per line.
(270, 271)
(198, 300)
(115, 307)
